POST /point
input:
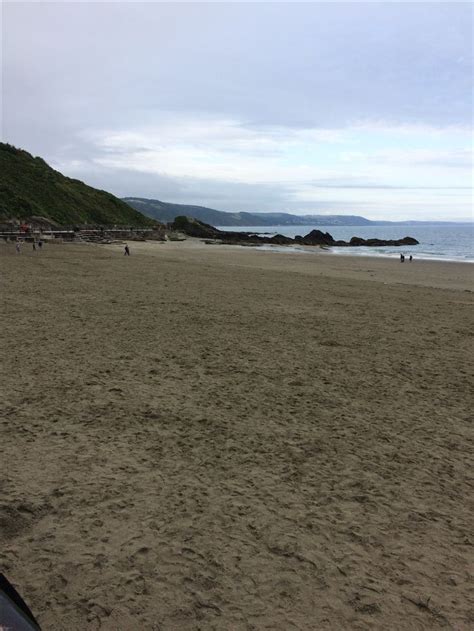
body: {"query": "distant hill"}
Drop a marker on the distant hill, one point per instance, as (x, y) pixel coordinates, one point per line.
(31, 188)
(167, 212)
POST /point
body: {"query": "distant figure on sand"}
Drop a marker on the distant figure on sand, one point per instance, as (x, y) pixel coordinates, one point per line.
(127, 251)
(402, 258)
(411, 258)
(18, 247)
(40, 244)
(34, 246)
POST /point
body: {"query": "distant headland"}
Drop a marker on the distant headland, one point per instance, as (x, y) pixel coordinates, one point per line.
(167, 212)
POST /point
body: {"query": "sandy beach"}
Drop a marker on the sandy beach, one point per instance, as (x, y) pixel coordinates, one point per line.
(210, 437)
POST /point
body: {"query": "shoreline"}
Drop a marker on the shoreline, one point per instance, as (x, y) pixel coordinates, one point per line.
(454, 275)
(433, 243)
(342, 252)
(355, 252)
(435, 273)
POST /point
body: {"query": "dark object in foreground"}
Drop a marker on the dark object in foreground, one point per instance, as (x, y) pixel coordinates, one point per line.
(14, 613)
(194, 228)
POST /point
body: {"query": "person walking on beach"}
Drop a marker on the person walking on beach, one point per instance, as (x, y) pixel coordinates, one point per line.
(126, 251)
(40, 244)
(402, 258)
(411, 258)
(18, 247)
(34, 246)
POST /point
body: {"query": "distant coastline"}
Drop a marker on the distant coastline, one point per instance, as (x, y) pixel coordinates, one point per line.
(167, 212)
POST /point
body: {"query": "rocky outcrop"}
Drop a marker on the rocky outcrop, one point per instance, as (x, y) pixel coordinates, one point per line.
(315, 237)
(355, 241)
(194, 228)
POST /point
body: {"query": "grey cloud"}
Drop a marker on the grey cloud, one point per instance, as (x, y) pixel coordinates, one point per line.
(228, 196)
(73, 67)
(310, 64)
(393, 187)
(232, 196)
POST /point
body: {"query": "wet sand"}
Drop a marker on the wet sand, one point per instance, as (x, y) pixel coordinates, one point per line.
(207, 437)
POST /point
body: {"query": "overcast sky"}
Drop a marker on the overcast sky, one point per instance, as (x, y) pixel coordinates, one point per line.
(350, 108)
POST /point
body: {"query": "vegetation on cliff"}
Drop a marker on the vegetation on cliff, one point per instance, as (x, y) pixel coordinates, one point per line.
(31, 188)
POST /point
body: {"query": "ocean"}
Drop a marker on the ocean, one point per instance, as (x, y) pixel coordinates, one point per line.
(437, 242)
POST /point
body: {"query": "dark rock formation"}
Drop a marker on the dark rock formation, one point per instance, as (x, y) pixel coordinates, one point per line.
(279, 239)
(316, 237)
(194, 228)
(355, 241)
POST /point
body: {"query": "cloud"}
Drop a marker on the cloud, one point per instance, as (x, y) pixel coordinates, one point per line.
(227, 164)
(456, 158)
(232, 151)
(244, 106)
(301, 65)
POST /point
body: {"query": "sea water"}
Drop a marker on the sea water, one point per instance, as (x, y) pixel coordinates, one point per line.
(437, 241)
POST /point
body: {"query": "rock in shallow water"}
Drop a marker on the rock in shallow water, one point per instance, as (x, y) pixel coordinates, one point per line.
(195, 228)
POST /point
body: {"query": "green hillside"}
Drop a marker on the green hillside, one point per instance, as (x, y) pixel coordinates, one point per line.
(167, 212)
(31, 188)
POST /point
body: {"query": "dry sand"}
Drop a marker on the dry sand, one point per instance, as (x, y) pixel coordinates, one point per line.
(206, 437)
